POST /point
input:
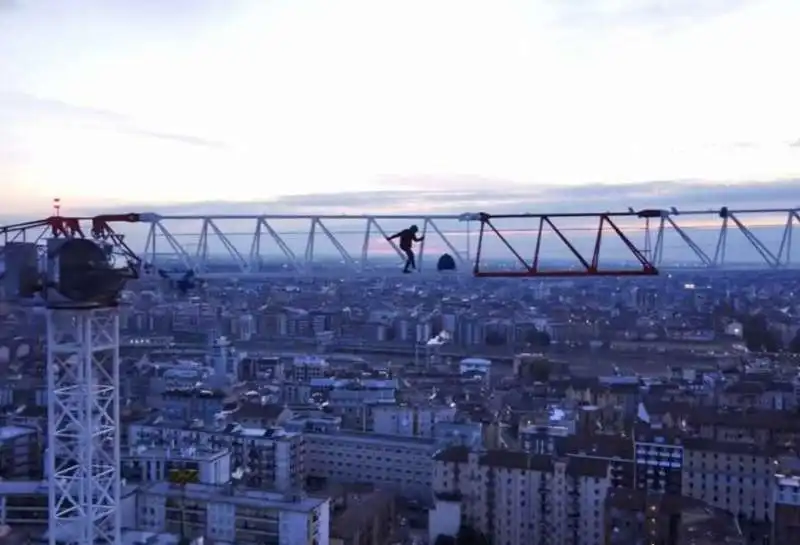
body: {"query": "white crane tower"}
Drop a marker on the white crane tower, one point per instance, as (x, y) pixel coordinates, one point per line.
(76, 282)
(83, 453)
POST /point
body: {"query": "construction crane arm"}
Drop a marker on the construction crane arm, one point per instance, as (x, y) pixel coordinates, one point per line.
(538, 224)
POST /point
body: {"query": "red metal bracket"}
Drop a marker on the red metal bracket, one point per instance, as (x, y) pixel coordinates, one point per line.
(70, 227)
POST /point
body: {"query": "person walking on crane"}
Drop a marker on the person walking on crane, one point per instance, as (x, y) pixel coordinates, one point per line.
(407, 239)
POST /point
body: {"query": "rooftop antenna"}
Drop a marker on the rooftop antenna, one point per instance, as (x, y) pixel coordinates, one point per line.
(57, 207)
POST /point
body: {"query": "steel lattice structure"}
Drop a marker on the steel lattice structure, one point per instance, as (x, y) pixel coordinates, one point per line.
(485, 245)
(83, 453)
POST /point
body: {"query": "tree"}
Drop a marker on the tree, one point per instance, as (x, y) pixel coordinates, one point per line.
(794, 345)
(494, 338)
(539, 339)
(467, 535)
(758, 336)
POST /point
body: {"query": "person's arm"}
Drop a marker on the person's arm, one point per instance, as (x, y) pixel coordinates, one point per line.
(394, 236)
(419, 239)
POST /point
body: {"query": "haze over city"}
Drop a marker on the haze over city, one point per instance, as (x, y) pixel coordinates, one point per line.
(358, 106)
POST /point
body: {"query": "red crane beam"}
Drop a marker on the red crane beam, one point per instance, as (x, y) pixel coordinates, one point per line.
(586, 265)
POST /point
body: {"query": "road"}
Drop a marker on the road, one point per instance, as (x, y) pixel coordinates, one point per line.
(582, 361)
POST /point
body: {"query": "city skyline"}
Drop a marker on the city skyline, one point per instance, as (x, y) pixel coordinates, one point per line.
(431, 107)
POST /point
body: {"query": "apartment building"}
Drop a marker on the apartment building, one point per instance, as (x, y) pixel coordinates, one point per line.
(271, 458)
(642, 517)
(206, 505)
(658, 458)
(20, 454)
(617, 451)
(255, 367)
(750, 394)
(305, 368)
(23, 504)
(785, 512)
(737, 477)
(403, 465)
(410, 421)
(225, 513)
(185, 404)
(358, 517)
(517, 497)
(356, 402)
(753, 425)
(154, 464)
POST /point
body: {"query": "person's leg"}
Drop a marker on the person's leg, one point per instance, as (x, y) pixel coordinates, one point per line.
(412, 259)
(410, 264)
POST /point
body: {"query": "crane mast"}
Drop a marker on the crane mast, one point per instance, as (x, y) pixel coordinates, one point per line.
(83, 451)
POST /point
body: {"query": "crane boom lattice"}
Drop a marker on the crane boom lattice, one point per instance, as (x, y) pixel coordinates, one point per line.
(262, 246)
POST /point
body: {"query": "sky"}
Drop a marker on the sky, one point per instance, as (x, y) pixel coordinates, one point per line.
(398, 106)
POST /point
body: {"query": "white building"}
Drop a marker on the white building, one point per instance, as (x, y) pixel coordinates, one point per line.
(514, 497)
(225, 514)
(154, 464)
(233, 515)
(475, 365)
(304, 368)
(410, 421)
(400, 464)
(271, 457)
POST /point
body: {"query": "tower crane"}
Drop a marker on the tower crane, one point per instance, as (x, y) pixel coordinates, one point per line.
(75, 276)
(76, 281)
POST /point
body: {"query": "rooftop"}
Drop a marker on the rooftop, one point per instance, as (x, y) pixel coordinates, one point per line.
(131, 537)
(274, 432)
(8, 433)
(367, 437)
(166, 453)
(359, 510)
(248, 497)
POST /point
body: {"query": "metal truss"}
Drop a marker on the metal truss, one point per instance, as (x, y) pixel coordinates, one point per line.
(639, 243)
(588, 266)
(83, 450)
(484, 245)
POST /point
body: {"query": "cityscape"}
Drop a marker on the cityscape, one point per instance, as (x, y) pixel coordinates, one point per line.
(396, 272)
(419, 409)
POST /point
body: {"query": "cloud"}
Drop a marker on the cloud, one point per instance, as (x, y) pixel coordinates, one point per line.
(187, 139)
(25, 106)
(605, 14)
(439, 195)
(9, 5)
